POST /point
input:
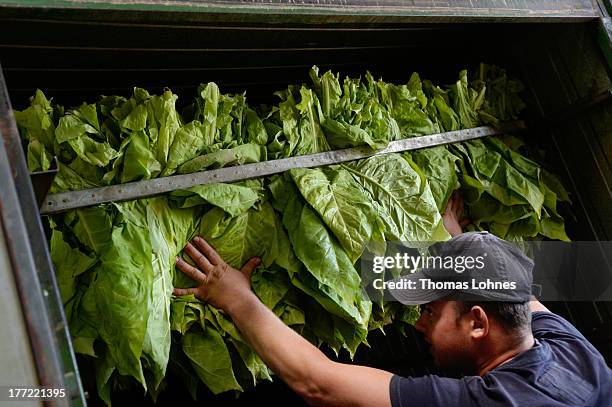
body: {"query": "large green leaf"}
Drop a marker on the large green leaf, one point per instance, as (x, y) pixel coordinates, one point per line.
(168, 229)
(39, 159)
(336, 283)
(233, 199)
(36, 122)
(242, 154)
(188, 141)
(123, 285)
(163, 122)
(237, 239)
(401, 197)
(80, 129)
(69, 263)
(211, 360)
(139, 162)
(440, 168)
(342, 205)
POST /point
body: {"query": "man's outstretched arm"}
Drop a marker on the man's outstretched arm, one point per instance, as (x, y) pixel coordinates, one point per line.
(313, 376)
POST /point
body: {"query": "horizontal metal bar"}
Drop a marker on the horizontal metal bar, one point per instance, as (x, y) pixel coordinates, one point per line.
(142, 189)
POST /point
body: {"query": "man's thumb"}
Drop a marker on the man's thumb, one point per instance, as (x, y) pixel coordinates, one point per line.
(250, 265)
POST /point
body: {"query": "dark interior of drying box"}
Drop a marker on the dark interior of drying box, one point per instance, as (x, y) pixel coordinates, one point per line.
(566, 76)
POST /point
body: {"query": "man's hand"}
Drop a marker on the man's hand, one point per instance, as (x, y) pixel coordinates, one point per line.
(219, 284)
(453, 215)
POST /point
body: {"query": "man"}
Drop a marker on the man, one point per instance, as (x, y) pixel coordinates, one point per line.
(513, 353)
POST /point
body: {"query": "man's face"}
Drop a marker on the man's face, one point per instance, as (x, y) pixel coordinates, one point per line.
(448, 336)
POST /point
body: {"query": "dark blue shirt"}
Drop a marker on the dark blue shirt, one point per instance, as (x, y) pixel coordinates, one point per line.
(562, 369)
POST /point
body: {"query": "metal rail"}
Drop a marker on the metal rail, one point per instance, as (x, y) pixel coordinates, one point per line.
(142, 189)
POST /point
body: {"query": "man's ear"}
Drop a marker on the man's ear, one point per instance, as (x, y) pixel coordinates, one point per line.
(479, 322)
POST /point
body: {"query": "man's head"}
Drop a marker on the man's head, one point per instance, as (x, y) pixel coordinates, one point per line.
(462, 334)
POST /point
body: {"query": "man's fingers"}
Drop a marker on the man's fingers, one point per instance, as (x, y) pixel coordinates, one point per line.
(208, 251)
(184, 291)
(464, 222)
(250, 265)
(192, 272)
(200, 259)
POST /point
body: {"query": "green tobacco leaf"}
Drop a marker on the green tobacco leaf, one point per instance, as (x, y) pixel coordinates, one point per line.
(253, 363)
(488, 209)
(553, 227)
(292, 315)
(312, 138)
(342, 205)
(463, 102)
(499, 178)
(328, 90)
(80, 128)
(104, 367)
(93, 152)
(189, 140)
(139, 162)
(124, 284)
(233, 199)
(168, 229)
(71, 127)
(256, 131)
(406, 109)
(112, 176)
(237, 239)
(36, 122)
(38, 157)
(270, 286)
(69, 263)
(242, 154)
(68, 179)
(164, 119)
(334, 281)
(184, 312)
(402, 199)
(211, 360)
(94, 228)
(439, 166)
(208, 107)
(344, 135)
(132, 113)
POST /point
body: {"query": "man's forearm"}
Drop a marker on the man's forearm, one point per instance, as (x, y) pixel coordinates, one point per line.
(289, 355)
(301, 365)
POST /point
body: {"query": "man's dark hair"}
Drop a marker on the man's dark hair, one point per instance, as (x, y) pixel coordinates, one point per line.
(514, 316)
